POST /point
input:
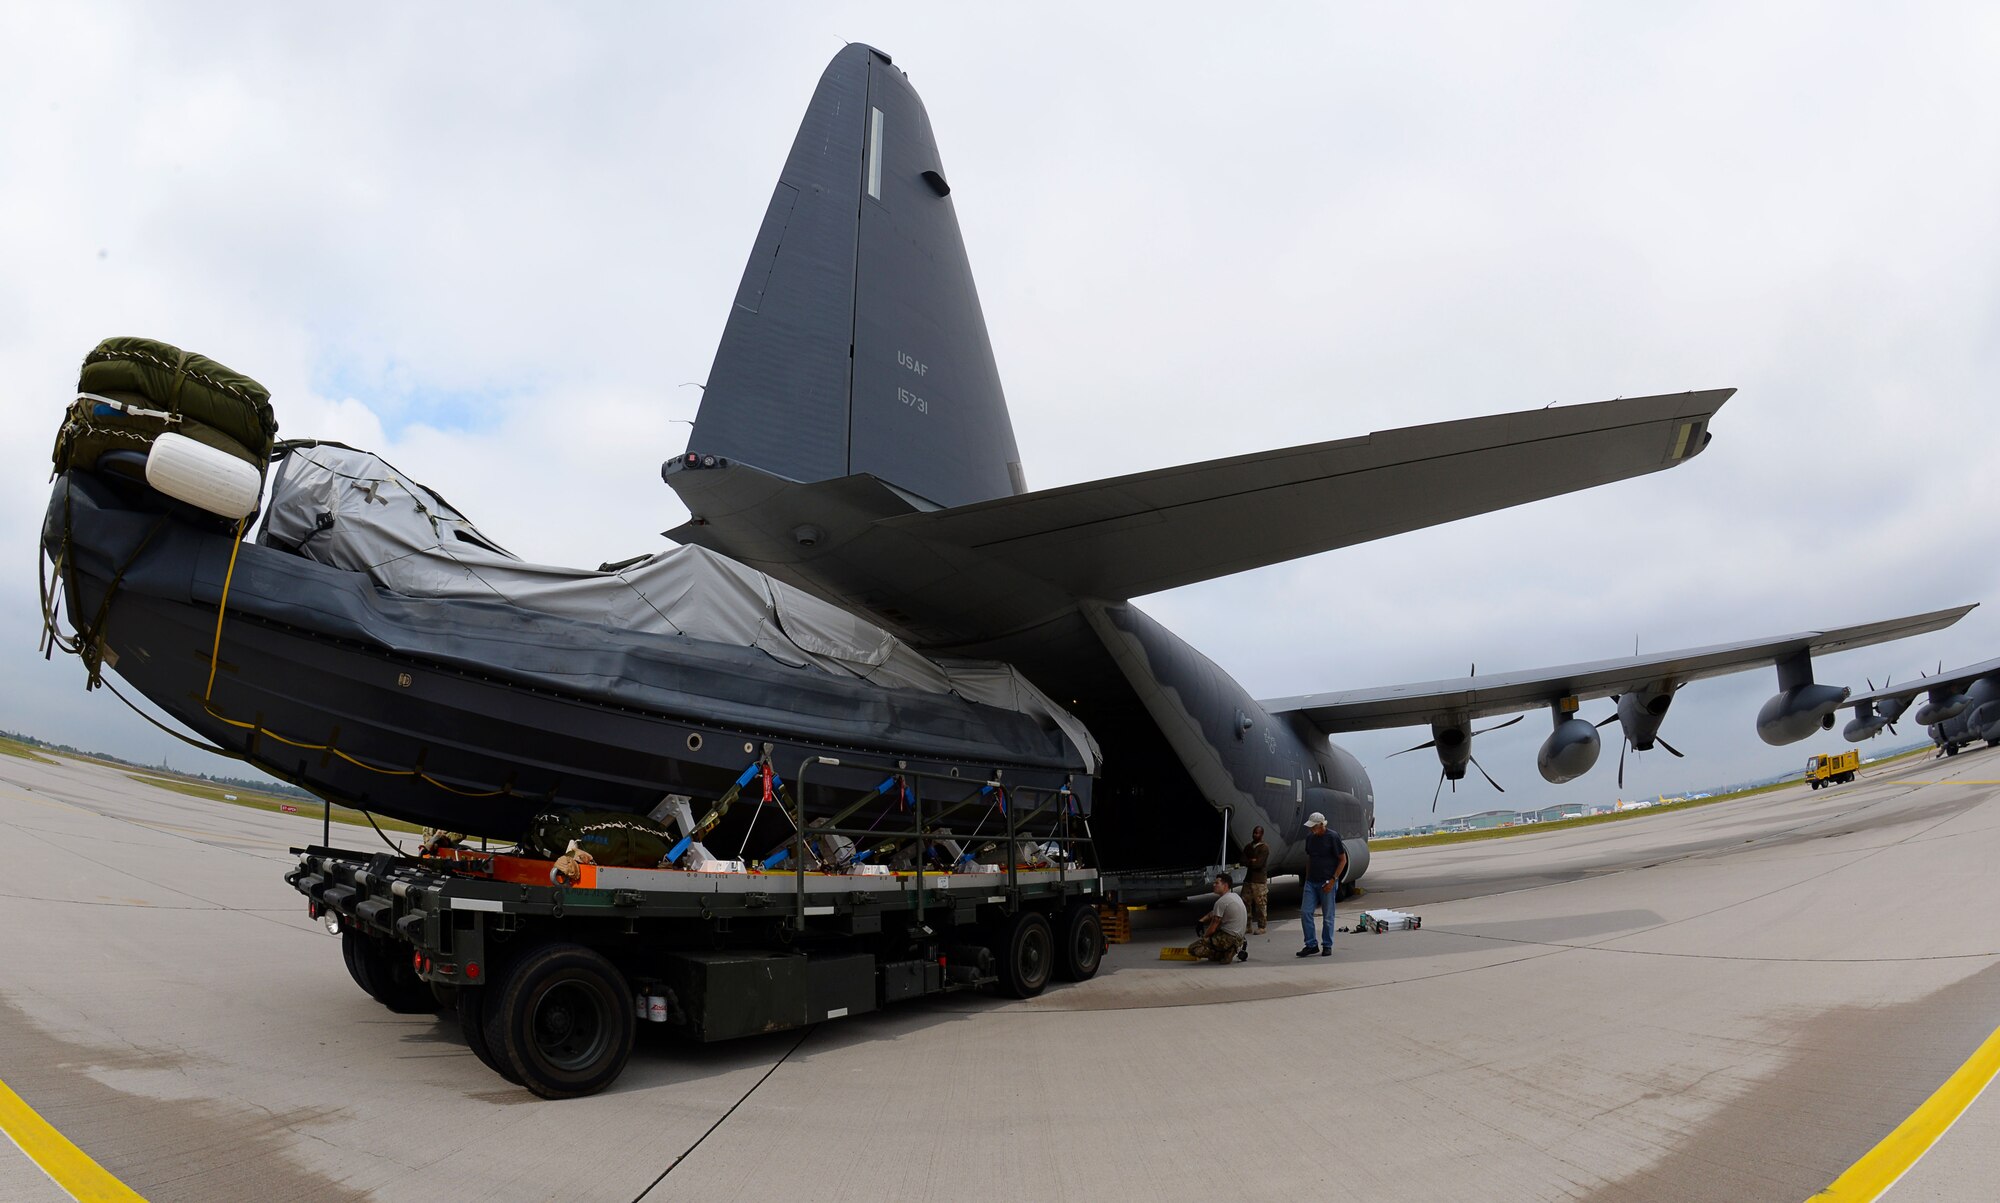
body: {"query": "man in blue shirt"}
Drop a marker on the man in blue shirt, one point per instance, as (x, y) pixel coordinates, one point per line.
(1326, 863)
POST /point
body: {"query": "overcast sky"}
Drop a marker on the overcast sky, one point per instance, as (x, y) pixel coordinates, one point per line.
(492, 242)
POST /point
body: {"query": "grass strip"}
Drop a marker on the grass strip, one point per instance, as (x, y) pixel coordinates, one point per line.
(1658, 808)
(304, 807)
(10, 747)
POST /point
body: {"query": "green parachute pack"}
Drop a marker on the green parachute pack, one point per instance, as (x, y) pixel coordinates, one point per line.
(132, 390)
(611, 837)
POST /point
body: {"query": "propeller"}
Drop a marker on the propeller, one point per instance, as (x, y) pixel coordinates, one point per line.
(1439, 791)
(1432, 743)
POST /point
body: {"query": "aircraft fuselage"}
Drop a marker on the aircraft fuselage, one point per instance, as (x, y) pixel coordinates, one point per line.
(1976, 718)
(1192, 764)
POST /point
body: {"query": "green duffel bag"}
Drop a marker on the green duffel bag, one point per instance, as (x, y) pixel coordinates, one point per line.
(132, 390)
(611, 837)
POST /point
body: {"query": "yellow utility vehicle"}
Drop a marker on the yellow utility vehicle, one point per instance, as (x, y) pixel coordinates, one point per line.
(1828, 770)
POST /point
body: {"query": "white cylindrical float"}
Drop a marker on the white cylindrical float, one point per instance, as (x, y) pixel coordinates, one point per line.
(202, 476)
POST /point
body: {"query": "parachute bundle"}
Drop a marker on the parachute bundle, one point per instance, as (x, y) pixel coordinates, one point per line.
(610, 838)
(133, 390)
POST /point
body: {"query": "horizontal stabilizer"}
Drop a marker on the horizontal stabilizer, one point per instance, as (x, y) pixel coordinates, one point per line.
(1132, 535)
(960, 575)
(1509, 693)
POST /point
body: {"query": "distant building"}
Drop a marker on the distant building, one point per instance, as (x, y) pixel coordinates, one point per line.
(1480, 821)
(1561, 810)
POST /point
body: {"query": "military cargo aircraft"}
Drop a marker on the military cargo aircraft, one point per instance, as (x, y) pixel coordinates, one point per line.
(853, 440)
(1960, 707)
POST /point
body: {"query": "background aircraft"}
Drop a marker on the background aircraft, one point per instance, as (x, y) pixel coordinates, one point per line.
(1960, 707)
(853, 439)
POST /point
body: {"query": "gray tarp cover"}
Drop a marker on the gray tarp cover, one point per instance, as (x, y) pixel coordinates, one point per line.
(412, 542)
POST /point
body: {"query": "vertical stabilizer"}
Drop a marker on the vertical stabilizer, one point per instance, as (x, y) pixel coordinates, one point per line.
(856, 344)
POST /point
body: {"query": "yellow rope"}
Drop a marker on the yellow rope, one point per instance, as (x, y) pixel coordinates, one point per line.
(215, 660)
(221, 607)
(419, 774)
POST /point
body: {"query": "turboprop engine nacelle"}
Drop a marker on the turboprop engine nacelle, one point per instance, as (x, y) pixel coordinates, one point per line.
(1640, 713)
(1571, 748)
(1870, 718)
(1453, 744)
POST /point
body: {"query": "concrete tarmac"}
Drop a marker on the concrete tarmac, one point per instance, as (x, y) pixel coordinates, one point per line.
(1731, 1003)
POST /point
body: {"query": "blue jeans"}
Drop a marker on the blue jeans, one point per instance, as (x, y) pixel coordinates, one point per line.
(1318, 898)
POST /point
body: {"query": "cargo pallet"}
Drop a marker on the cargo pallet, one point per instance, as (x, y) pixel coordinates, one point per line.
(550, 975)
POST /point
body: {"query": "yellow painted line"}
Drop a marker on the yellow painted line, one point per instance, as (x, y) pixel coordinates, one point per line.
(1882, 1165)
(70, 1167)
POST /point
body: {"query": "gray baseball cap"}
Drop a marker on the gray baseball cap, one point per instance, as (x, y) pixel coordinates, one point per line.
(1315, 819)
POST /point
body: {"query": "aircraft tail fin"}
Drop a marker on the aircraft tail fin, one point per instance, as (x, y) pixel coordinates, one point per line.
(856, 343)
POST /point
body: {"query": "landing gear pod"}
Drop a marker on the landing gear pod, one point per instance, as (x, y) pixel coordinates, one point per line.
(203, 476)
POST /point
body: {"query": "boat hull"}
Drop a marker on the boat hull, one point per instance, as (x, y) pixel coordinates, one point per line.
(475, 716)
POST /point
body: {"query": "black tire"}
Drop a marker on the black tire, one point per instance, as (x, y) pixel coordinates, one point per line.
(1079, 944)
(471, 1007)
(1026, 955)
(563, 1022)
(348, 941)
(382, 968)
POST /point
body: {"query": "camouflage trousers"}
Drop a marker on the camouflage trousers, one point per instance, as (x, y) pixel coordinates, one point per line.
(1257, 897)
(1219, 947)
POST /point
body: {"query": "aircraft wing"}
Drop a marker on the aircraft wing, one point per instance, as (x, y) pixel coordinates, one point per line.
(1130, 535)
(1510, 693)
(1943, 680)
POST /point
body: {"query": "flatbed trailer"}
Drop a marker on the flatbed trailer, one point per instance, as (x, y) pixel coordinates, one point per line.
(550, 973)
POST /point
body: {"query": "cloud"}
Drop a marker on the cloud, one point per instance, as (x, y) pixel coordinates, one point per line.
(494, 249)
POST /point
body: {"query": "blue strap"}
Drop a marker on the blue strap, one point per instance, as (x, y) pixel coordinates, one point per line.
(675, 853)
(777, 858)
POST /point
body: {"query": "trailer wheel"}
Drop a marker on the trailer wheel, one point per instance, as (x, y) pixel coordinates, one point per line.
(347, 957)
(471, 1007)
(379, 967)
(1080, 948)
(563, 1021)
(1027, 954)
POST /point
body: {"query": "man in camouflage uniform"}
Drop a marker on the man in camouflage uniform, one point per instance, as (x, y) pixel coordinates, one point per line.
(1256, 883)
(1222, 928)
